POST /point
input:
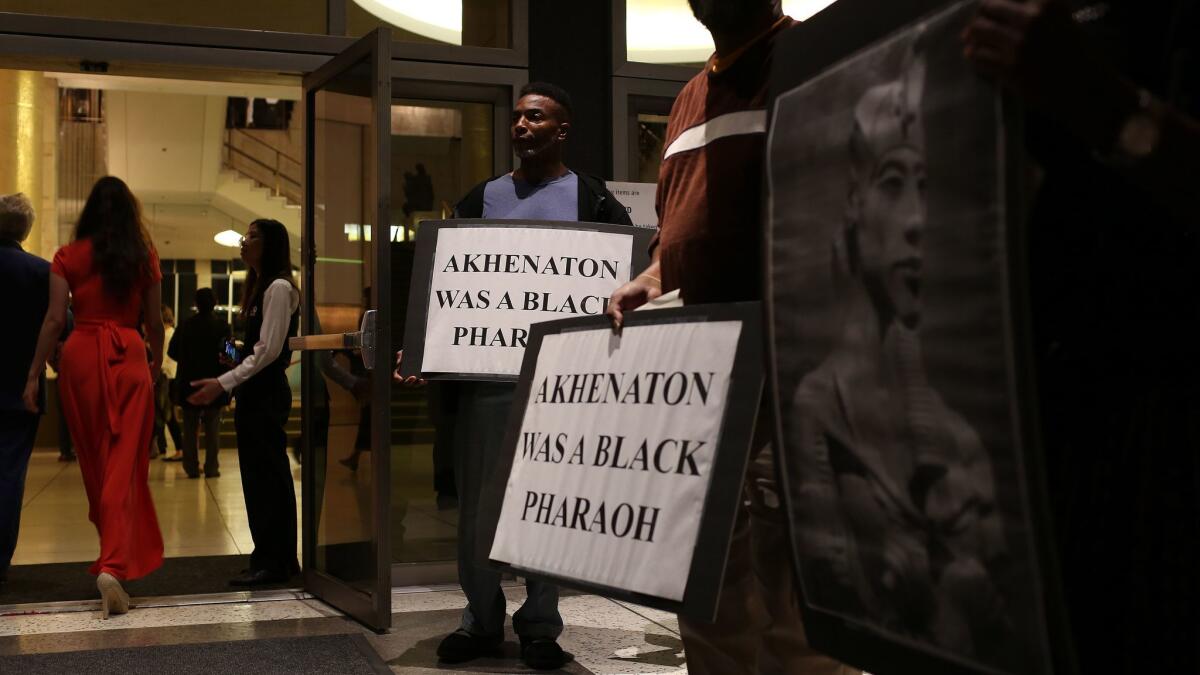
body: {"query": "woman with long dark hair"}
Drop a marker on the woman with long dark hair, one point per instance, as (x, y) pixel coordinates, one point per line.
(107, 388)
(271, 308)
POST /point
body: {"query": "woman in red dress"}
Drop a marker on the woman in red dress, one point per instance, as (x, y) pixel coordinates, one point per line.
(112, 272)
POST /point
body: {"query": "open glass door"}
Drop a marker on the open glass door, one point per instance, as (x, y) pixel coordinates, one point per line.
(347, 300)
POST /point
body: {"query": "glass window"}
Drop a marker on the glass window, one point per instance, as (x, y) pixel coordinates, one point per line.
(439, 151)
(288, 16)
(651, 131)
(471, 23)
(666, 32)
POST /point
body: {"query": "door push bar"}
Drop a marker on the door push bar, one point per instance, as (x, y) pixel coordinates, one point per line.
(363, 341)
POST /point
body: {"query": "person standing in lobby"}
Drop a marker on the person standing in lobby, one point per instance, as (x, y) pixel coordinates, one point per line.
(164, 396)
(25, 279)
(709, 248)
(112, 273)
(543, 188)
(271, 307)
(1111, 93)
(196, 347)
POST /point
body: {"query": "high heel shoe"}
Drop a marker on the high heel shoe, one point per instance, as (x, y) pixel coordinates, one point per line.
(113, 598)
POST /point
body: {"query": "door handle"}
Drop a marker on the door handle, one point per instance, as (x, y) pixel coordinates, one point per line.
(362, 341)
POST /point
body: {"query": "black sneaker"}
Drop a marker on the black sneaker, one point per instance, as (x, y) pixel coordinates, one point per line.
(461, 646)
(543, 654)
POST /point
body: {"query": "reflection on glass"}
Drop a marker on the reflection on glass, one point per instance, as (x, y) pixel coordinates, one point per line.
(440, 150)
(651, 131)
(339, 397)
(473, 23)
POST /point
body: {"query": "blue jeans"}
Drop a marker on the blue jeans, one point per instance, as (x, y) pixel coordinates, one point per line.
(479, 434)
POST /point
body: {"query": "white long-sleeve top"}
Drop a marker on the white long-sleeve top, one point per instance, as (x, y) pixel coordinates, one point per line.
(169, 366)
(280, 301)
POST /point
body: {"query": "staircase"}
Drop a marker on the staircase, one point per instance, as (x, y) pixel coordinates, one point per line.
(245, 200)
(261, 177)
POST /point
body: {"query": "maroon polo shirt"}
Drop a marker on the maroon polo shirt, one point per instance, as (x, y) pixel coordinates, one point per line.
(711, 181)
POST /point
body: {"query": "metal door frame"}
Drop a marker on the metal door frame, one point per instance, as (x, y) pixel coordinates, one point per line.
(374, 610)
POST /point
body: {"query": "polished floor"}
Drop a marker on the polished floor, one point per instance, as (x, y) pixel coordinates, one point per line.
(607, 637)
(206, 517)
(198, 517)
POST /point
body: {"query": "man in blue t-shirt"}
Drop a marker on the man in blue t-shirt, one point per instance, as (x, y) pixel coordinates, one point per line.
(543, 188)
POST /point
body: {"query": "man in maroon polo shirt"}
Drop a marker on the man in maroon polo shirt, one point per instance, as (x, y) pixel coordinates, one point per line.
(708, 247)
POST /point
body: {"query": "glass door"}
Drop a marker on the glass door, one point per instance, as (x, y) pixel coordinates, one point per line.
(443, 144)
(346, 400)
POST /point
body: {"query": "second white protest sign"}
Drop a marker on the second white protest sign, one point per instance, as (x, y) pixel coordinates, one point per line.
(623, 461)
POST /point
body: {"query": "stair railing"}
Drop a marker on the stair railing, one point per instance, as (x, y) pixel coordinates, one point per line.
(276, 178)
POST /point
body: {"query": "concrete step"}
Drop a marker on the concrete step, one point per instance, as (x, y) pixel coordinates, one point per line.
(244, 199)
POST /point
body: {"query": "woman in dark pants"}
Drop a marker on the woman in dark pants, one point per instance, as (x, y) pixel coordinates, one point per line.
(271, 309)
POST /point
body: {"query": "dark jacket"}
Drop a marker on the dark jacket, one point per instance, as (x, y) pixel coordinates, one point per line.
(25, 279)
(596, 203)
(196, 346)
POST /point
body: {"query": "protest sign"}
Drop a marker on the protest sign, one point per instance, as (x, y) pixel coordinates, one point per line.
(908, 457)
(478, 285)
(625, 455)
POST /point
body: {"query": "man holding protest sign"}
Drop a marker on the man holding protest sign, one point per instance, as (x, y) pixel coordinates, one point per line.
(543, 188)
(708, 247)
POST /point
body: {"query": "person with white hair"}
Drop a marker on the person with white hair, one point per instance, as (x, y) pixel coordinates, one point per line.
(26, 281)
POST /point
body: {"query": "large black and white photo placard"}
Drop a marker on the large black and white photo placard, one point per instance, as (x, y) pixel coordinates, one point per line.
(907, 456)
(625, 454)
(478, 285)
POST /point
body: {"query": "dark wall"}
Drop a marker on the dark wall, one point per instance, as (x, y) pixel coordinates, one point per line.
(570, 44)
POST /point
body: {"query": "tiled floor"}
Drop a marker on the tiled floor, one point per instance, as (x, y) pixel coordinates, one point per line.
(606, 637)
(206, 516)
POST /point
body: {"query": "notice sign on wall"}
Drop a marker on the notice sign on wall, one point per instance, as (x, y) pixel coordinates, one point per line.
(625, 454)
(478, 286)
(638, 199)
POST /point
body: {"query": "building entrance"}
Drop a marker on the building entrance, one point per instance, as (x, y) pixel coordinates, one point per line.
(208, 151)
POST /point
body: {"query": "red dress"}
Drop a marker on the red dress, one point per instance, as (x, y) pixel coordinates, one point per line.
(108, 402)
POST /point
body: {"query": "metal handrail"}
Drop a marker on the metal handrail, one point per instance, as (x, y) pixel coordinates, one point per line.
(274, 171)
(277, 172)
(256, 139)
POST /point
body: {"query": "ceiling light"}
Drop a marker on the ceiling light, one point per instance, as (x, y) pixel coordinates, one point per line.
(664, 31)
(228, 238)
(437, 19)
(657, 31)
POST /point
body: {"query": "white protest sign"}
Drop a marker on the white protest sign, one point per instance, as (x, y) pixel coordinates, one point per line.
(488, 284)
(613, 460)
(638, 199)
